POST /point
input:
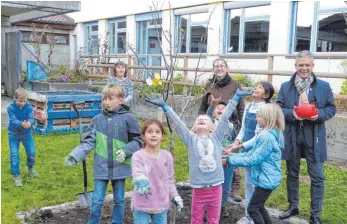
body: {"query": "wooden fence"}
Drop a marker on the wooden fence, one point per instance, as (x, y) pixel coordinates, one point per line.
(132, 66)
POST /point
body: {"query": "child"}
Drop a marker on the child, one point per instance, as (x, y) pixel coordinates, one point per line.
(153, 176)
(215, 111)
(265, 160)
(115, 136)
(21, 117)
(204, 151)
(262, 94)
(119, 77)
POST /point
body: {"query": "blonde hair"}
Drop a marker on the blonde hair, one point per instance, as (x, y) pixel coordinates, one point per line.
(20, 93)
(210, 126)
(273, 116)
(114, 68)
(112, 90)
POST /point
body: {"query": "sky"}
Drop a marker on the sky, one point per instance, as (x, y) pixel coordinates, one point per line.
(93, 10)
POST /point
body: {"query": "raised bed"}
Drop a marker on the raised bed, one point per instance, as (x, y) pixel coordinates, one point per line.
(54, 113)
(47, 86)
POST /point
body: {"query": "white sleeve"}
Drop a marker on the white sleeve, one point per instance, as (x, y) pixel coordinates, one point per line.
(241, 134)
(250, 142)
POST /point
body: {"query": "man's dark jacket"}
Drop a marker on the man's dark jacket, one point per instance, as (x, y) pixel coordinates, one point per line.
(322, 96)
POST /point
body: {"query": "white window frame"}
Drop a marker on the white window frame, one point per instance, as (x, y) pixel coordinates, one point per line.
(88, 34)
(314, 31)
(114, 39)
(243, 19)
(188, 12)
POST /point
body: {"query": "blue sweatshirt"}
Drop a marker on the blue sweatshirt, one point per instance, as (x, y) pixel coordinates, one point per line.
(264, 159)
(18, 115)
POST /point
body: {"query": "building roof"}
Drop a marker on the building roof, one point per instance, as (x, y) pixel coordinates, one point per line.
(58, 19)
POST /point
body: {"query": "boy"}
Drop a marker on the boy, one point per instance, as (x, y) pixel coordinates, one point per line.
(215, 111)
(21, 117)
(115, 136)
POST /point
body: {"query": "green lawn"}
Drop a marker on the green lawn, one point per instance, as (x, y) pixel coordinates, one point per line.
(58, 184)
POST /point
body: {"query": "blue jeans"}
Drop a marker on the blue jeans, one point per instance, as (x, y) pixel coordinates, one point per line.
(226, 186)
(144, 217)
(99, 197)
(248, 185)
(28, 143)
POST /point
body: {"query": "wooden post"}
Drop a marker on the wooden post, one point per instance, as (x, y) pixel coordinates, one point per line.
(130, 71)
(90, 62)
(185, 74)
(270, 66)
(134, 73)
(105, 70)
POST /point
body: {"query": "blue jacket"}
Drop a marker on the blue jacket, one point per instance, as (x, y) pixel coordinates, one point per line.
(17, 116)
(323, 98)
(109, 132)
(264, 159)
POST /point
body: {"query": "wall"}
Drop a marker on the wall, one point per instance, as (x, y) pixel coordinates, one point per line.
(280, 18)
(60, 56)
(61, 53)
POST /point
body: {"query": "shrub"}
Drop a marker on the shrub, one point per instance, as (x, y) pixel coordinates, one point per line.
(244, 80)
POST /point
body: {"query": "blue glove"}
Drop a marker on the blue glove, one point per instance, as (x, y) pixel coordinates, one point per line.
(157, 101)
(239, 94)
(142, 187)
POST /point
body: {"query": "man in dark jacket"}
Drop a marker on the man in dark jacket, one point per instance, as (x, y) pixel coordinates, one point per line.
(305, 137)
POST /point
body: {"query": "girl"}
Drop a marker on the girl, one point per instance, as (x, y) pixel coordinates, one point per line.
(153, 176)
(119, 77)
(262, 94)
(215, 111)
(265, 160)
(204, 152)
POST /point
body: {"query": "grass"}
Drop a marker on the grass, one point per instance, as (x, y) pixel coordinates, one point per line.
(57, 184)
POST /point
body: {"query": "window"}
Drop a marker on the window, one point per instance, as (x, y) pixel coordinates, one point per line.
(192, 33)
(319, 27)
(91, 38)
(59, 39)
(118, 36)
(148, 41)
(247, 29)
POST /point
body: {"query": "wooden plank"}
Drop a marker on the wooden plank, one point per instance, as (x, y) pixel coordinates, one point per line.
(37, 96)
(61, 121)
(74, 122)
(270, 67)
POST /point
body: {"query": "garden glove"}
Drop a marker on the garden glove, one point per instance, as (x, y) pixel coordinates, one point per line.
(178, 202)
(142, 187)
(120, 156)
(157, 101)
(70, 161)
(239, 94)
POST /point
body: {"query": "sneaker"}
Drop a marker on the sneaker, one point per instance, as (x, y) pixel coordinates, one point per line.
(236, 198)
(245, 220)
(32, 172)
(17, 182)
(224, 213)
